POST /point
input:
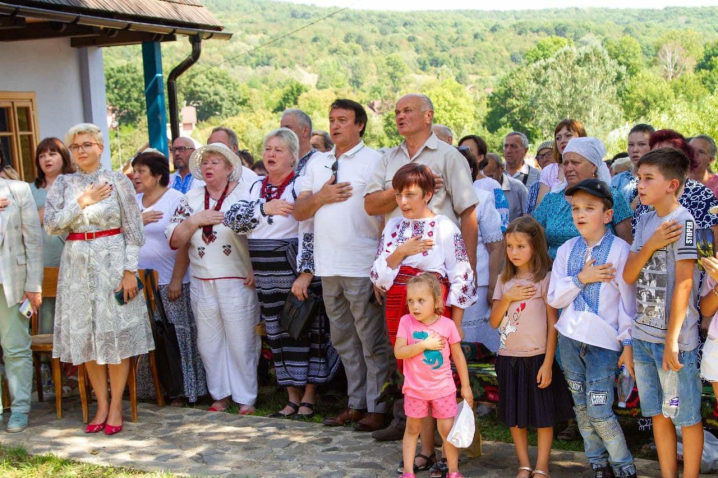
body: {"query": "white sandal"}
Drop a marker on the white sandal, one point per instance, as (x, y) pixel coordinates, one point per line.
(526, 468)
(539, 472)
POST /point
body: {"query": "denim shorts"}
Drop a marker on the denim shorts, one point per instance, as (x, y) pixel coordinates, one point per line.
(648, 361)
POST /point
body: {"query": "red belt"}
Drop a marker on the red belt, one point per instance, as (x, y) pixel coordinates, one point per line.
(88, 236)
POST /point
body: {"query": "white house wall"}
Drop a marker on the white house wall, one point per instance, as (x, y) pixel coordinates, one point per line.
(64, 80)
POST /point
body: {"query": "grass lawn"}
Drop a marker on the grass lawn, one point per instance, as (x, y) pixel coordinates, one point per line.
(16, 462)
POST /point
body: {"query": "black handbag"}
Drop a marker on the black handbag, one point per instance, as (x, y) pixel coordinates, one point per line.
(297, 314)
(167, 351)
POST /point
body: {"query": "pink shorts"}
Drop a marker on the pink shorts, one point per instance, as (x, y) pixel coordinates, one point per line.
(444, 407)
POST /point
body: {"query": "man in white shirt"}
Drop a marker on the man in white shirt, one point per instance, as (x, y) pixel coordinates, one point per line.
(345, 243)
(300, 122)
(513, 189)
(228, 137)
(516, 145)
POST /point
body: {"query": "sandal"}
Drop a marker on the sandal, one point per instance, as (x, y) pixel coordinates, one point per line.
(428, 463)
(216, 409)
(571, 433)
(279, 414)
(526, 468)
(455, 474)
(539, 472)
(439, 470)
(304, 416)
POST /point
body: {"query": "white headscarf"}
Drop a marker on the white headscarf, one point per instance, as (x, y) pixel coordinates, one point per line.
(594, 151)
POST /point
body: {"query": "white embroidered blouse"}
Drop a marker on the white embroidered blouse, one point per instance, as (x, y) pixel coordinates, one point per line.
(448, 256)
(222, 256)
(247, 217)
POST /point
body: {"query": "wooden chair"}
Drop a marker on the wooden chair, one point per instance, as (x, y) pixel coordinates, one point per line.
(42, 343)
(84, 380)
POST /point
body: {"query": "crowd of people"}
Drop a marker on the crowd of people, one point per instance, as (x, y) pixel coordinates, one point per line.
(567, 269)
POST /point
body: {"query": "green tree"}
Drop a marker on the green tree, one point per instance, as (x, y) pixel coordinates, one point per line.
(290, 95)
(645, 94)
(453, 106)
(125, 88)
(627, 53)
(678, 51)
(213, 92)
(575, 83)
(396, 72)
(546, 48)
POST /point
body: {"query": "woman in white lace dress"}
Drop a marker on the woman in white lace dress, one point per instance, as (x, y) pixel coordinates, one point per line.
(98, 211)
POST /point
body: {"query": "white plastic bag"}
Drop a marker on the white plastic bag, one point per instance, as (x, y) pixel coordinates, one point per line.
(709, 459)
(462, 433)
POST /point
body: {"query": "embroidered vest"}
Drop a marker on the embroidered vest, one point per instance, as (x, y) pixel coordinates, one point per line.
(580, 254)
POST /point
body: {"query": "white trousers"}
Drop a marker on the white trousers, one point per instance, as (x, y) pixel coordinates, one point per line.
(226, 313)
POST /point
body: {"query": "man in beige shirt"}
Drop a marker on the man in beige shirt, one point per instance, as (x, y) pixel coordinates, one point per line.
(454, 197)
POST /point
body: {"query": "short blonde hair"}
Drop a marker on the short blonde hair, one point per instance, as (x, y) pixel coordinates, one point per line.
(286, 136)
(84, 128)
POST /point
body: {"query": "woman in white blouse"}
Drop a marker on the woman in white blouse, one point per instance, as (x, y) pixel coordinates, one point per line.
(282, 252)
(157, 203)
(223, 299)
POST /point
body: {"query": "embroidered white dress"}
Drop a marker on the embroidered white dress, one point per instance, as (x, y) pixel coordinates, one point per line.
(89, 323)
(448, 257)
(225, 309)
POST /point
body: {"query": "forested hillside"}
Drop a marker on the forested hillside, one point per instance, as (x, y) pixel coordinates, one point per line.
(487, 72)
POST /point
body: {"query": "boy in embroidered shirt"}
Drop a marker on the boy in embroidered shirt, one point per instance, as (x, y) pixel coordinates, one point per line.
(665, 328)
(595, 324)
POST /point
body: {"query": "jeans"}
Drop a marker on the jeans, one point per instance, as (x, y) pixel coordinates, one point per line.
(591, 373)
(15, 342)
(650, 376)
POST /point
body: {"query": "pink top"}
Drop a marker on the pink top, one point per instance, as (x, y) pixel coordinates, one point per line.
(524, 327)
(427, 376)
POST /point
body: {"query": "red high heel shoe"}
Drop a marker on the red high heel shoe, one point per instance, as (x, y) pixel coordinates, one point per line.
(95, 428)
(110, 430)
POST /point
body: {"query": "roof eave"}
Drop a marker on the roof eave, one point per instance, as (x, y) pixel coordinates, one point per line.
(96, 21)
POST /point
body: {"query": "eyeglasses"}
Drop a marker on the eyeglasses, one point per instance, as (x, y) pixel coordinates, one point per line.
(463, 149)
(181, 149)
(84, 147)
(544, 155)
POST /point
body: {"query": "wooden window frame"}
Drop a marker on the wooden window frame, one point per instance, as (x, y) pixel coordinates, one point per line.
(14, 100)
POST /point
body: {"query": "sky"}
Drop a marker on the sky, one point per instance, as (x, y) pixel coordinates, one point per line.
(509, 5)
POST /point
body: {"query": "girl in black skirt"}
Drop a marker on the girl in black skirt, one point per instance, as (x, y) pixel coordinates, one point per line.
(532, 389)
